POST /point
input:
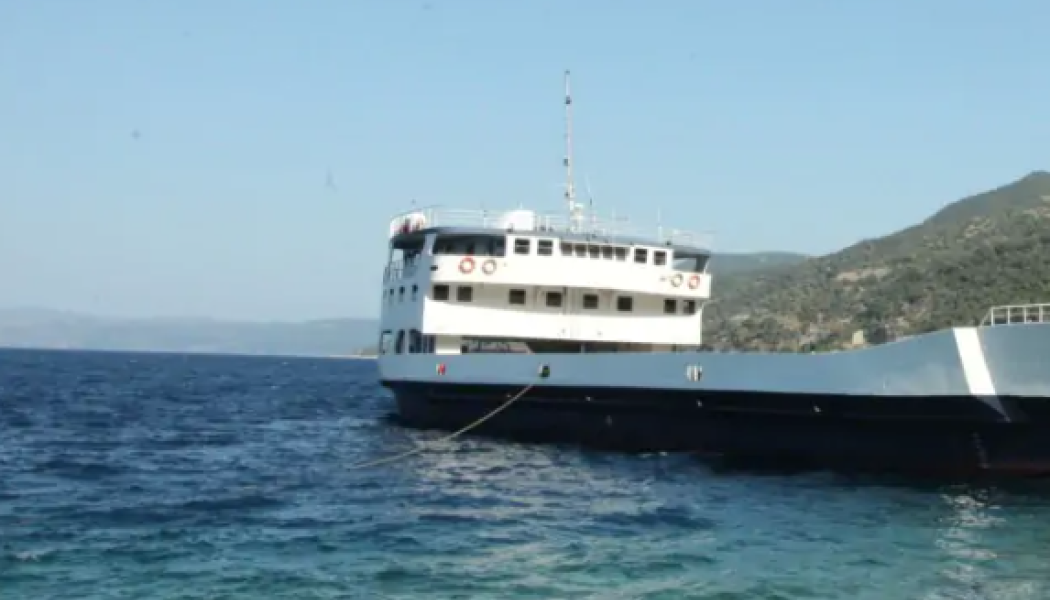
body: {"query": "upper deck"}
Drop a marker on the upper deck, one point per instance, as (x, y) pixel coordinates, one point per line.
(524, 220)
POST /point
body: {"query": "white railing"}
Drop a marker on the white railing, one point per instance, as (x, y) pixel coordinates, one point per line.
(398, 269)
(527, 220)
(1017, 313)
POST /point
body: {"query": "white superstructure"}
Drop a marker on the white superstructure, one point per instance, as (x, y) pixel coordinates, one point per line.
(532, 281)
(517, 280)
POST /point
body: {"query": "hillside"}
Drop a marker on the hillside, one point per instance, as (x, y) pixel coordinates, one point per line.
(984, 250)
(40, 328)
(730, 263)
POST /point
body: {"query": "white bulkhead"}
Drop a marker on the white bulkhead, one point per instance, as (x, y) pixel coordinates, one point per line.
(518, 281)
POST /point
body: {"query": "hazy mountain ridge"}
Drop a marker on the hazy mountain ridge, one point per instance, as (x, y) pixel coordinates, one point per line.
(987, 249)
(42, 328)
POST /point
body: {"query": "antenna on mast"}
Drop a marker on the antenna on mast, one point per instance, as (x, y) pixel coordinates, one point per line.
(575, 209)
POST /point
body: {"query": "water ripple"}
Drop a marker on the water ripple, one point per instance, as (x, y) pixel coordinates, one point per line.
(163, 476)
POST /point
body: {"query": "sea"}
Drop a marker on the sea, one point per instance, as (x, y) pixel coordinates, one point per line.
(167, 476)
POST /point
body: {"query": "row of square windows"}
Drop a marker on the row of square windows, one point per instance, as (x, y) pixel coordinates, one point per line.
(523, 246)
(551, 299)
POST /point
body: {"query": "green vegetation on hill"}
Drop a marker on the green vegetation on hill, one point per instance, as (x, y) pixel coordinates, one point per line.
(729, 263)
(989, 249)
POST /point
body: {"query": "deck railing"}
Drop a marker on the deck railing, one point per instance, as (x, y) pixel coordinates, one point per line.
(398, 269)
(1016, 313)
(526, 220)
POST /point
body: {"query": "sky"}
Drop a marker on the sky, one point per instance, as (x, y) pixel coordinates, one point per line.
(241, 159)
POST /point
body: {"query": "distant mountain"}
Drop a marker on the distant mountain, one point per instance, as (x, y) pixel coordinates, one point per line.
(730, 263)
(42, 328)
(988, 249)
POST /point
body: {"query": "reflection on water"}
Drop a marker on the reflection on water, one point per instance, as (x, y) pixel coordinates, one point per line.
(974, 556)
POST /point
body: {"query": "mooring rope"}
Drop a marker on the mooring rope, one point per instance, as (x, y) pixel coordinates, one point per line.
(421, 447)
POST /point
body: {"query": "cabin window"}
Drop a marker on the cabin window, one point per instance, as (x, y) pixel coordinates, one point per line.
(624, 303)
(471, 249)
(566, 249)
(579, 251)
(641, 255)
(554, 299)
(415, 292)
(522, 246)
(621, 253)
(689, 307)
(670, 306)
(401, 294)
(590, 301)
(399, 346)
(516, 297)
(464, 293)
(440, 292)
(545, 248)
(659, 258)
(607, 252)
(384, 341)
(415, 342)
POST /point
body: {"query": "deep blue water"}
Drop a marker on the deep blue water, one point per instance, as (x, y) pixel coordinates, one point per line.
(165, 476)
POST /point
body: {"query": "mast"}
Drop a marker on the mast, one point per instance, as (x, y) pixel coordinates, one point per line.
(575, 209)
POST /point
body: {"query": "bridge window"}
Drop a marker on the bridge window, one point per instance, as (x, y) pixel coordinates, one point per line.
(689, 307)
(415, 342)
(579, 251)
(641, 255)
(522, 246)
(590, 301)
(621, 253)
(624, 303)
(659, 258)
(415, 292)
(441, 292)
(670, 306)
(545, 248)
(517, 297)
(607, 252)
(399, 346)
(401, 294)
(464, 293)
(554, 299)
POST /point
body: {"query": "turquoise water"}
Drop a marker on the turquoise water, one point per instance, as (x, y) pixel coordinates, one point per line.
(161, 476)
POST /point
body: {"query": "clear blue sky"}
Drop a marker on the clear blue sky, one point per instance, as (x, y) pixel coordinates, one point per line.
(172, 158)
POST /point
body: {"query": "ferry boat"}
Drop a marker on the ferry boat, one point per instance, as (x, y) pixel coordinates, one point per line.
(594, 331)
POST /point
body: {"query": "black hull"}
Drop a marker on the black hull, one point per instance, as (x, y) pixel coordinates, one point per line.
(928, 435)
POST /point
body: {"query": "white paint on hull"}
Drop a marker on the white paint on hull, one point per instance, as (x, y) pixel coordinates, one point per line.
(971, 353)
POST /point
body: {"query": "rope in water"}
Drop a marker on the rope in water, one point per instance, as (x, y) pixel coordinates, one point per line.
(451, 436)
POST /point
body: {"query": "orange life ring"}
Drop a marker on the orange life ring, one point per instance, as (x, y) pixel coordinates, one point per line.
(676, 280)
(694, 281)
(489, 267)
(466, 265)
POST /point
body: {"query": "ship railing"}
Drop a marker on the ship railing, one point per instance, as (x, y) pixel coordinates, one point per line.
(527, 220)
(1011, 314)
(398, 269)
